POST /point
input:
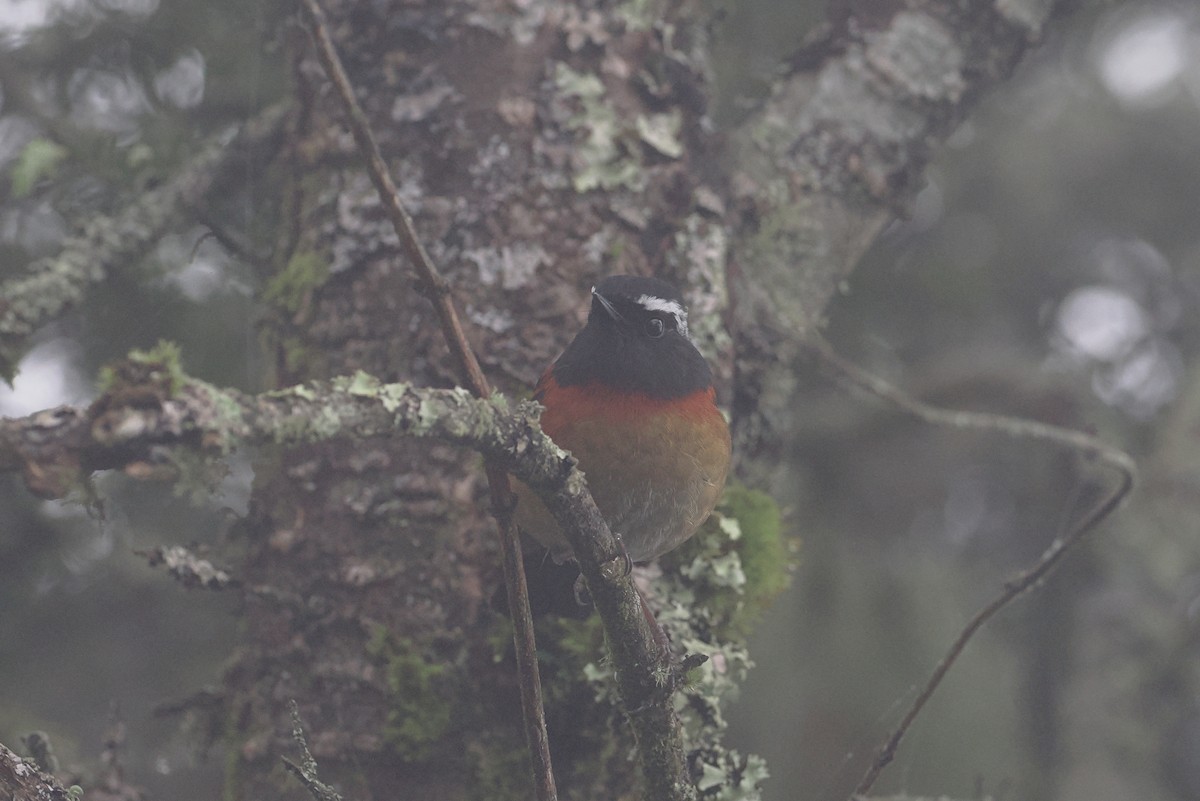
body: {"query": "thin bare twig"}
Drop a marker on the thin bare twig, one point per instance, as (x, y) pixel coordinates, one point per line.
(503, 500)
(1084, 445)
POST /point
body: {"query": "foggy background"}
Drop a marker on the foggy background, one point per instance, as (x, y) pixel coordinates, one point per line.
(1049, 268)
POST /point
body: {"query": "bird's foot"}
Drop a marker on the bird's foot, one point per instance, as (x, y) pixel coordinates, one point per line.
(619, 565)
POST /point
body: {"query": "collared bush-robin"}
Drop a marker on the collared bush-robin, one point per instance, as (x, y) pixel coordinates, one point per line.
(632, 399)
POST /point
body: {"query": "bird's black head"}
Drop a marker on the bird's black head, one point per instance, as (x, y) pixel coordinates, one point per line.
(636, 340)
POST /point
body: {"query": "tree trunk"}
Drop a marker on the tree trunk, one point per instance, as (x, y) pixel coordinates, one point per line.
(536, 153)
(538, 147)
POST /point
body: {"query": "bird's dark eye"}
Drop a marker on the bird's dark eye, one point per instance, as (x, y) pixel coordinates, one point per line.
(654, 327)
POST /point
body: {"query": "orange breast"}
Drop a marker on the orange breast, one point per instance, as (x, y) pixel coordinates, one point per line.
(568, 405)
(655, 467)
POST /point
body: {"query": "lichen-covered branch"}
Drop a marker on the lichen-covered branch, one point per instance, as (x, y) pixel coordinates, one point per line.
(841, 143)
(137, 425)
(306, 771)
(150, 410)
(54, 284)
(22, 780)
(833, 155)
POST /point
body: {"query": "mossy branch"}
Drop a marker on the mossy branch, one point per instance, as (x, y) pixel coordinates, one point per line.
(151, 409)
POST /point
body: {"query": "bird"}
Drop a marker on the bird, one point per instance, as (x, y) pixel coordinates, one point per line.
(632, 399)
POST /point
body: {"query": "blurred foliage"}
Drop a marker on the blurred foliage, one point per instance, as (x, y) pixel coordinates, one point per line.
(38, 160)
(98, 103)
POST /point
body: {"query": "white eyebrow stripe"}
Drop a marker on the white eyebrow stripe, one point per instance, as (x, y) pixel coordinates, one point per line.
(672, 307)
(651, 303)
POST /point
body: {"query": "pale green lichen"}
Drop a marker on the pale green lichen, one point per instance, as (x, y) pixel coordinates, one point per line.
(731, 527)
(661, 132)
(711, 592)
(167, 357)
(444, 414)
(738, 562)
(361, 383)
(722, 571)
(326, 423)
(290, 430)
(161, 365)
(601, 159)
(392, 395)
(292, 426)
(427, 415)
(499, 402)
(226, 417)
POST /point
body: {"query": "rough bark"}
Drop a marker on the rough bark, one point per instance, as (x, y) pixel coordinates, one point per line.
(22, 780)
